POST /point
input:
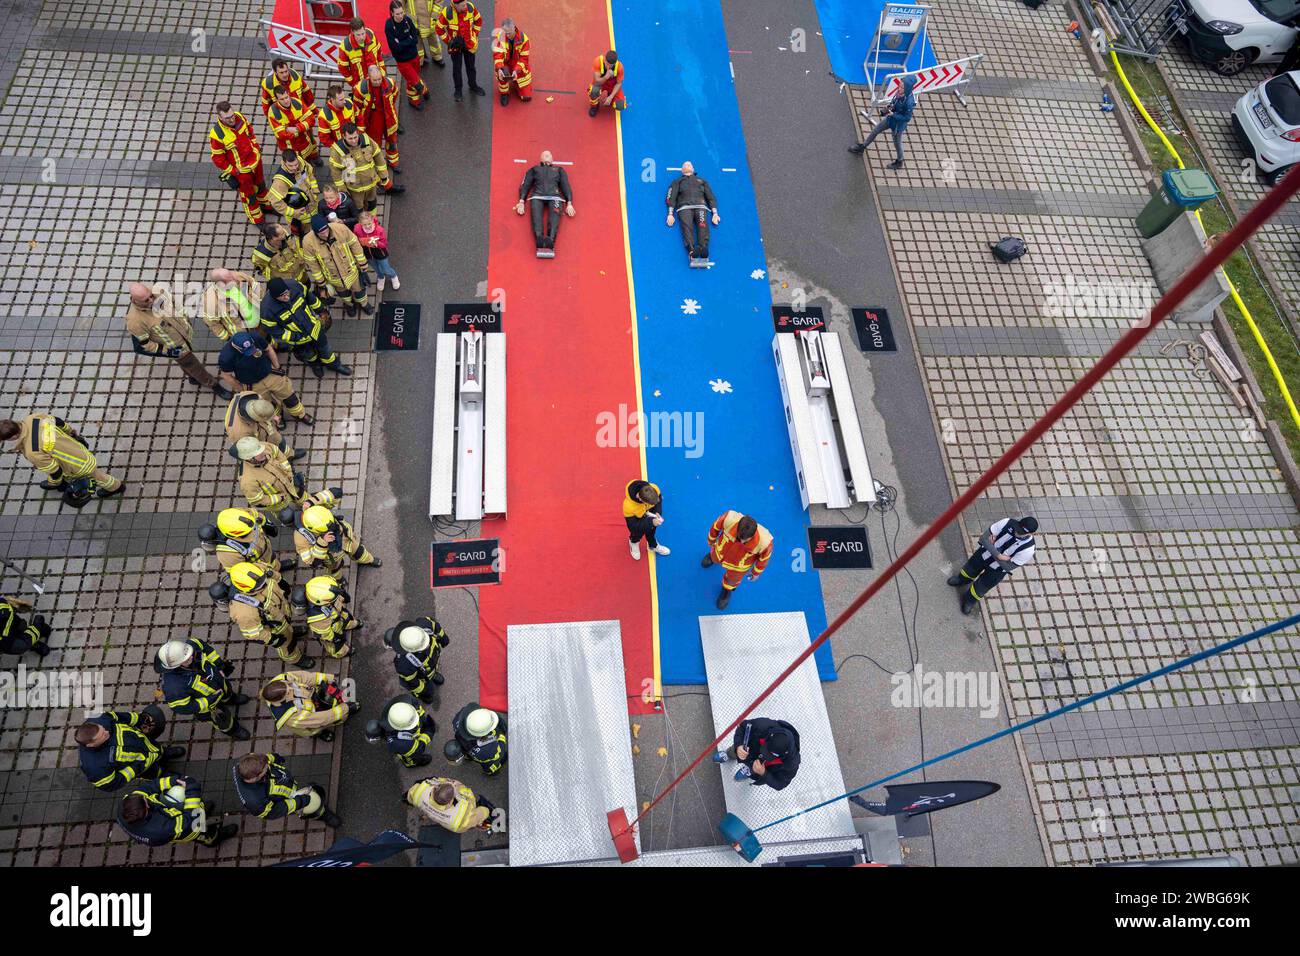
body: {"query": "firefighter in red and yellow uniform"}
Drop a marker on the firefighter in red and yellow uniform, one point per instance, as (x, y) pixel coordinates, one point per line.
(236, 154)
(358, 52)
(510, 53)
(294, 125)
(741, 545)
(458, 26)
(376, 103)
(606, 84)
(337, 112)
(282, 74)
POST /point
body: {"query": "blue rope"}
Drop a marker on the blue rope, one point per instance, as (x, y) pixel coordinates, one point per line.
(1016, 728)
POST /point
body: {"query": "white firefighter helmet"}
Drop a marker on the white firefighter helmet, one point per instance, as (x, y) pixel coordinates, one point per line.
(175, 654)
(413, 639)
(481, 722)
(248, 448)
(402, 716)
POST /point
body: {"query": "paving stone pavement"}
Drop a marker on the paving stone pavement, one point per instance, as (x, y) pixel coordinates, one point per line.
(88, 211)
(1165, 524)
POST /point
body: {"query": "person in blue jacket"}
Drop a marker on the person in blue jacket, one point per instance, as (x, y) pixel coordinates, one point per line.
(897, 115)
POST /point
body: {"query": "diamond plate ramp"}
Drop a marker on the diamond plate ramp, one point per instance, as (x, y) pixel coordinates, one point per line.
(570, 743)
(743, 653)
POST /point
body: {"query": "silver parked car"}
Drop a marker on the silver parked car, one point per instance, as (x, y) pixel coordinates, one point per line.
(1267, 123)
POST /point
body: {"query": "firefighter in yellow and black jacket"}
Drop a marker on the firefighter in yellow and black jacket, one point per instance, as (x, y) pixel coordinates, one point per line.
(17, 634)
(294, 317)
(119, 746)
(170, 810)
(261, 611)
(323, 541)
(418, 645)
(195, 680)
(268, 790)
(267, 477)
(54, 447)
(325, 601)
(407, 730)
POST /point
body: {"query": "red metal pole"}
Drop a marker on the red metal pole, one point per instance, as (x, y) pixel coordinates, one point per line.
(1213, 259)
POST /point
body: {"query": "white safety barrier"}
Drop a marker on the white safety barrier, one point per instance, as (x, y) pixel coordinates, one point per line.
(467, 470)
(302, 46)
(822, 420)
(955, 76)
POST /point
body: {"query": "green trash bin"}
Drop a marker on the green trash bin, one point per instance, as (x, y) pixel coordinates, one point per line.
(1181, 190)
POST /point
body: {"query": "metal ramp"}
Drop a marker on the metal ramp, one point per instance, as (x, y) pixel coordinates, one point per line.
(743, 653)
(570, 743)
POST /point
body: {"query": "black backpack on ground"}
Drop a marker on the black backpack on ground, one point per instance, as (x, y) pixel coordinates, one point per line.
(1008, 248)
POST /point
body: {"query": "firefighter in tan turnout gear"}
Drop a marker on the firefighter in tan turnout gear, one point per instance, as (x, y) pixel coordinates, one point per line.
(358, 167)
(306, 703)
(261, 611)
(159, 329)
(323, 541)
(242, 534)
(230, 303)
(325, 601)
(250, 414)
(54, 448)
(337, 265)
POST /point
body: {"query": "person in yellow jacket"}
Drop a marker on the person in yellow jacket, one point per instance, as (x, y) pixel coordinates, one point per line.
(325, 602)
(54, 448)
(643, 505)
(231, 303)
(293, 192)
(278, 255)
(451, 804)
(267, 477)
(358, 167)
(426, 13)
(337, 265)
(323, 541)
(261, 611)
(159, 329)
(458, 26)
(742, 546)
(250, 414)
(306, 703)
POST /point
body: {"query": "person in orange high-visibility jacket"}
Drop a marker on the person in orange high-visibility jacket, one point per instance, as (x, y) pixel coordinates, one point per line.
(282, 74)
(741, 545)
(237, 155)
(376, 100)
(510, 54)
(337, 112)
(358, 52)
(606, 83)
(458, 26)
(294, 125)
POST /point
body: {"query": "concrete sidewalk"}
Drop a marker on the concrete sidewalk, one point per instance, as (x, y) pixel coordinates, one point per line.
(1165, 525)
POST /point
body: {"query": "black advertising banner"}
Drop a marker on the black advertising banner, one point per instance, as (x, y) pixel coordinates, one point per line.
(462, 316)
(397, 327)
(786, 319)
(875, 334)
(453, 563)
(917, 798)
(839, 547)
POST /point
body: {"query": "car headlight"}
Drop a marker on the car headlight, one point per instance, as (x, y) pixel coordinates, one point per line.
(1225, 27)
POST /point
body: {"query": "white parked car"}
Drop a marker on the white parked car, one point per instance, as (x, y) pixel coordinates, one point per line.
(1230, 35)
(1267, 123)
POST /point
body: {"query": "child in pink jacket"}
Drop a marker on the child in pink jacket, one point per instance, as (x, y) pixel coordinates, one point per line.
(374, 240)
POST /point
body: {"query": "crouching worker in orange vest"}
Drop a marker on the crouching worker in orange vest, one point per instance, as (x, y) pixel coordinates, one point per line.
(741, 545)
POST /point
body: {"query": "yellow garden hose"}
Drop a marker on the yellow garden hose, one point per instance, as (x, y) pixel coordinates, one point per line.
(1232, 288)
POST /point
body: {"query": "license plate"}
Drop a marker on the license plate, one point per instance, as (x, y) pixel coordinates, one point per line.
(1261, 114)
(1181, 25)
